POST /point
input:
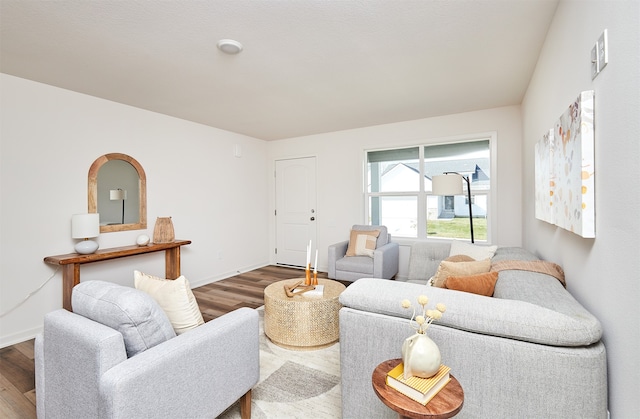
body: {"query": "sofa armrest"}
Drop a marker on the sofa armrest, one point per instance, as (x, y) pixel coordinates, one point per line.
(196, 374)
(336, 252)
(386, 260)
(70, 357)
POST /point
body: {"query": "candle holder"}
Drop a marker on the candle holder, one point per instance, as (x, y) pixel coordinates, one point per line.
(307, 275)
(315, 278)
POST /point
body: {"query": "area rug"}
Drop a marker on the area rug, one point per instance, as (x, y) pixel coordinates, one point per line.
(294, 384)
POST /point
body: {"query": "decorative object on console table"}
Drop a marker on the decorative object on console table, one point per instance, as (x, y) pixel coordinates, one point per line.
(445, 404)
(450, 185)
(421, 355)
(85, 227)
(143, 240)
(419, 389)
(163, 230)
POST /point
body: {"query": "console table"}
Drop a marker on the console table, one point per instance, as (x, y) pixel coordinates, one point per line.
(71, 262)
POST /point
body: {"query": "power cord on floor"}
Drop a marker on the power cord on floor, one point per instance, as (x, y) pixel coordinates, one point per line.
(30, 294)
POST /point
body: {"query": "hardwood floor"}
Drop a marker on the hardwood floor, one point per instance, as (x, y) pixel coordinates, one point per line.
(17, 370)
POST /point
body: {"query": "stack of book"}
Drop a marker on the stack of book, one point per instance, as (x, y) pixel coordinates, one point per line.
(419, 389)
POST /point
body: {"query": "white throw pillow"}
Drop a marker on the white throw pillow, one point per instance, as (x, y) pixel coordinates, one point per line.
(472, 250)
(175, 297)
(365, 245)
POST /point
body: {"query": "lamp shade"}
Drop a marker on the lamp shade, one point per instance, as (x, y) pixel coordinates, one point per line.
(446, 185)
(117, 194)
(84, 226)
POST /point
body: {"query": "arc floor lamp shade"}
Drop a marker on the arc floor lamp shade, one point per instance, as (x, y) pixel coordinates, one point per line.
(449, 184)
(446, 185)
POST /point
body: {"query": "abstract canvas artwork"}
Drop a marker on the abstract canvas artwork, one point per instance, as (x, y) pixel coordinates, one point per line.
(564, 170)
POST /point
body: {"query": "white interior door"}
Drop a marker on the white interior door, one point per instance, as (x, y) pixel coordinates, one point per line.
(295, 210)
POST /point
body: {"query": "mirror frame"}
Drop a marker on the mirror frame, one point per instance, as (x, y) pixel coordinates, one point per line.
(93, 192)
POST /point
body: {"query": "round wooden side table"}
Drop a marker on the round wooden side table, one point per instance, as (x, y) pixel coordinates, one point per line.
(447, 403)
(300, 322)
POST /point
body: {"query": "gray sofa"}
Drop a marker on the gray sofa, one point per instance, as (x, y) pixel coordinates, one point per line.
(530, 351)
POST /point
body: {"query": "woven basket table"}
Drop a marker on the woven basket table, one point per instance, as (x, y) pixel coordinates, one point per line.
(299, 322)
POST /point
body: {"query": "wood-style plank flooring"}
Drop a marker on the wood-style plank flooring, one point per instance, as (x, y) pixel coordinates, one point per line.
(17, 370)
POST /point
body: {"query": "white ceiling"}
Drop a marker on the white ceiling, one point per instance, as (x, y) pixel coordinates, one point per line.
(307, 67)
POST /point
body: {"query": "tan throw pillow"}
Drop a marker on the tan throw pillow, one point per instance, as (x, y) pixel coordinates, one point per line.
(447, 269)
(460, 258)
(454, 258)
(175, 297)
(482, 284)
(362, 242)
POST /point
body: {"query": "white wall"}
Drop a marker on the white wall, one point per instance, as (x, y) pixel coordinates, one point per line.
(340, 170)
(50, 137)
(602, 273)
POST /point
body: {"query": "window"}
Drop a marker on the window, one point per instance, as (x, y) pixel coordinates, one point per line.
(399, 190)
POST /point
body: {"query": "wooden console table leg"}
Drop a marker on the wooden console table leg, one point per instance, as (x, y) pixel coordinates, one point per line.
(70, 278)
(172, 263)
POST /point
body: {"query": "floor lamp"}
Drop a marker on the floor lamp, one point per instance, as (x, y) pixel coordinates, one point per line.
(448, 185)
(118, 195)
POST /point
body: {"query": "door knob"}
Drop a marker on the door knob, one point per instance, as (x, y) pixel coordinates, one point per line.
(312, 218)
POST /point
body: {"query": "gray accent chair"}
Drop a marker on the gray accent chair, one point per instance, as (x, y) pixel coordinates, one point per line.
(383, 264)
(83, 371)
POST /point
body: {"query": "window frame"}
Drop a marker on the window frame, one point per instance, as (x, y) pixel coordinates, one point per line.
(422, 195)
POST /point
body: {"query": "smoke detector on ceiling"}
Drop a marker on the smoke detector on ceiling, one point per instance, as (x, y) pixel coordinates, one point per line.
(229, 46)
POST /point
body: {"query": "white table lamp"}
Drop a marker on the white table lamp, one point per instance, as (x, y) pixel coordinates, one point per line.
(85, 227)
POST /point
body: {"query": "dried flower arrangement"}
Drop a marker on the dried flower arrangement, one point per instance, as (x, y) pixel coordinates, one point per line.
(425, 317)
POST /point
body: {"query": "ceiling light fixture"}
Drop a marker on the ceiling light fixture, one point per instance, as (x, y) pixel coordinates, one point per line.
(229, 46)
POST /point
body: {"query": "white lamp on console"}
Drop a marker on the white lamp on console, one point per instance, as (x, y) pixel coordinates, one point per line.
(85, 227)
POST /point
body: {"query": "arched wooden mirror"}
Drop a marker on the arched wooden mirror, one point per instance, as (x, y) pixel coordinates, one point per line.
(118, 192)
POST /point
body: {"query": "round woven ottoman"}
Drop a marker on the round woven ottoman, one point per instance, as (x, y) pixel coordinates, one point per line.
(299, 322)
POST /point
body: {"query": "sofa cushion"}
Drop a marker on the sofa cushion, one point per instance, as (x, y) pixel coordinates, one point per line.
(482, 284)
(133, 313)
(362, 242)
(175, 297)
(361, 264)
(449, 268)
(424, 259)
(477, 252)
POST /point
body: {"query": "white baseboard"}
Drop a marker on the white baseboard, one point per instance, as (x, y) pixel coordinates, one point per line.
(19, 337)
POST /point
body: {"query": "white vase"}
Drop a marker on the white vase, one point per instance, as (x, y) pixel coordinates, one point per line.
(420, 356)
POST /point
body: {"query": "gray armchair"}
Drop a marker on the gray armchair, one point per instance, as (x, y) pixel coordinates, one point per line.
(383, 264)
(82, 369)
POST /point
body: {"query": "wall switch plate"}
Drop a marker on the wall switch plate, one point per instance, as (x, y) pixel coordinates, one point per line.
(603, 51)
(599, 55)
(594, 61)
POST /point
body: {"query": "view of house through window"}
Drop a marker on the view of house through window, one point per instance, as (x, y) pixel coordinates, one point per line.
(399, 193)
